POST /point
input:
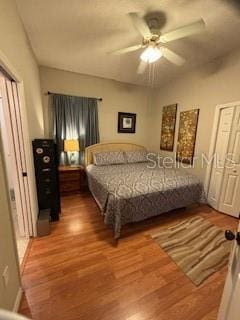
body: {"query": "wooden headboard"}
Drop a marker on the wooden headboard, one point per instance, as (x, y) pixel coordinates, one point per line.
(111, 146)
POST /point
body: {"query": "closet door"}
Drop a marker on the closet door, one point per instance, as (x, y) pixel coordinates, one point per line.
(230, 196)
(221, 149)
(7, 130)
(11, 109)
(19, 129)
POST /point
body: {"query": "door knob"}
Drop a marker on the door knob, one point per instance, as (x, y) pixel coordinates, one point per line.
(234, 170)
(229, 235)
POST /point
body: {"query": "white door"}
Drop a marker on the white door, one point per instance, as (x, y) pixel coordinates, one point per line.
(23, 166)
(229, 308)
(221, 149)
(14, 132)
(230, 196)
(6, 130)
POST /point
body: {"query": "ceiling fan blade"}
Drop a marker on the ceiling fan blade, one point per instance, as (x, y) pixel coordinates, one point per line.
(140, 24)
(142, 67)
(185, 31)
(172, 56)
(126, 50)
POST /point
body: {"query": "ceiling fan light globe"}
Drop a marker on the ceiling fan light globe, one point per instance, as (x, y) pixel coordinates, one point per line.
(151, 54)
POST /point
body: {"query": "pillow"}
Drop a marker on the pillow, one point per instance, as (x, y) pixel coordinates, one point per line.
(108, 158)
(136, 156)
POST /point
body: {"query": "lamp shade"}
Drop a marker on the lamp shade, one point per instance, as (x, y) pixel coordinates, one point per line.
(71, 145)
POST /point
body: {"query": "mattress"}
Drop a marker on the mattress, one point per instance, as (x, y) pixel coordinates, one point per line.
(134, 192)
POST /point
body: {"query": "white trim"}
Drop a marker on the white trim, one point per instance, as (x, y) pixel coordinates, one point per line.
(22, 261)
(18, 300)
(8, 67)
(213, 140)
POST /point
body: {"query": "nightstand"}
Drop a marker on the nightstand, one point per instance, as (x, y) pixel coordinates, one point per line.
(72, 180)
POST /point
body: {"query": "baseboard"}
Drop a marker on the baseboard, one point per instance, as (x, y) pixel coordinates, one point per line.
(18, 300)
(22, 266)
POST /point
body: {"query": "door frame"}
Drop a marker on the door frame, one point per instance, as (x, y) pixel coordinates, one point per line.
(214, 139)
(226, 300)
(7, 66)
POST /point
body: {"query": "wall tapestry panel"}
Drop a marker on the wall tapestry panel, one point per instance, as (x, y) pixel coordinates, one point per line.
(168, 127)
(187, 135)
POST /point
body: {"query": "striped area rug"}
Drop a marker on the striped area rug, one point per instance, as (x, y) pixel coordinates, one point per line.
(197, 246)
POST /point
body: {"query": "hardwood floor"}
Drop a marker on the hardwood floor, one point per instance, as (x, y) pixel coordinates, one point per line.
(79, 273)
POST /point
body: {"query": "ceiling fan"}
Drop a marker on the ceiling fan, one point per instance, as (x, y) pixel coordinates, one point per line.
(153, 40)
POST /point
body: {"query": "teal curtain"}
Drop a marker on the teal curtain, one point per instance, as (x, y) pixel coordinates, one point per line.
(74, 118)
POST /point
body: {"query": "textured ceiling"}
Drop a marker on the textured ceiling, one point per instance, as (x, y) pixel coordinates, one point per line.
(76, 35)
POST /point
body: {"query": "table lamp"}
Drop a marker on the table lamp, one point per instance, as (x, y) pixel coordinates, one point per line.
(71, 146)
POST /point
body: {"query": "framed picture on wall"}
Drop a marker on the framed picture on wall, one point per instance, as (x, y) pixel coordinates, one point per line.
(126, 122)
(187, 136)
(169, 115)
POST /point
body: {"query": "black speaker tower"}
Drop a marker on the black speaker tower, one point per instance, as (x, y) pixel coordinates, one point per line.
(46, 171)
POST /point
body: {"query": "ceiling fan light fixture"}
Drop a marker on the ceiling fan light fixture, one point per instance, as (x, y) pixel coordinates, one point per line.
(151, 54)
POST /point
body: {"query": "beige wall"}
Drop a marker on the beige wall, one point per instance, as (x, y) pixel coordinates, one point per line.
(8, 254)
(14, 45)
(116, 97)
(212, 84)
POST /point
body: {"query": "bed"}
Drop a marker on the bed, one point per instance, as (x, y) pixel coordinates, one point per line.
(131, 192)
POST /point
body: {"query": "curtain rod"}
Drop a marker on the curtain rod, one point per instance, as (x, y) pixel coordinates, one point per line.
(48, 93)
